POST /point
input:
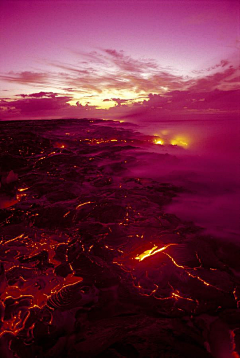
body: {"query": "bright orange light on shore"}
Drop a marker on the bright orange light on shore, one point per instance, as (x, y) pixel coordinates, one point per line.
(159, 141)
(151, 252)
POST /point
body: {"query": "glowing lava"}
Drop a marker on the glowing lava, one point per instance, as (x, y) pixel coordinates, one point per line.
(22, 189)
(158, 141)
(151, 252)
(82, 204)
(181, 142)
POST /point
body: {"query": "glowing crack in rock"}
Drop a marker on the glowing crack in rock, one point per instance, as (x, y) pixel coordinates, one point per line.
(186, 269)
(82, 204)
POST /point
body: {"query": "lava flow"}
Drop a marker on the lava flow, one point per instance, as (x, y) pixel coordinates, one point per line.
(151, 252)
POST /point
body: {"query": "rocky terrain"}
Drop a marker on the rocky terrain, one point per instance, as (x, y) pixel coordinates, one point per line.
(92, 265)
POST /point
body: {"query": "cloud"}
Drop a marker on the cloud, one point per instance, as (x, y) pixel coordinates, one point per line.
(44, 105)
(139, 87)
(120, 101)
(127, 63)
(174, 105)
(221, 64)
(112, 70)
(211, 82)
(39, 95)
(35, 104)
(26, 77)
(183, 105)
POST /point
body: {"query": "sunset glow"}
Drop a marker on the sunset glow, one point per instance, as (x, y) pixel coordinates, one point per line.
(100, 68)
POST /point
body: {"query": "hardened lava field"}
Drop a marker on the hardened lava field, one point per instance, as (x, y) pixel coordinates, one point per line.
(91, 263)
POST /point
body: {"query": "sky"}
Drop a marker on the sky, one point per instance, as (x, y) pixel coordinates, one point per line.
(118, 59)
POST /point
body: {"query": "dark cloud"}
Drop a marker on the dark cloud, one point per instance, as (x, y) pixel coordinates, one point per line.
(44, 105)
(39, 95)
(213, 81)
(36, 105)
(120, 101)
(178, 100)
(181, 104)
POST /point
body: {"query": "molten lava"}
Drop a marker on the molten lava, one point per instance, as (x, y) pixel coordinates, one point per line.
(151, 252)
(179, 142)
(159, 141)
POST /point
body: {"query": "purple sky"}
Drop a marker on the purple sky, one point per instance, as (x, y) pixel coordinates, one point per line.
(113, 59)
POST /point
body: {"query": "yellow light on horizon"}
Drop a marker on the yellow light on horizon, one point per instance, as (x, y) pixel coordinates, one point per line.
(104, 100)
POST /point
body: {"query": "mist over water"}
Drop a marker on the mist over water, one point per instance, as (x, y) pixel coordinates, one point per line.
(208, 168)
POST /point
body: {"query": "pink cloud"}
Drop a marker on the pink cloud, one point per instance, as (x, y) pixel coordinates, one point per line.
(26, 77)
(180, 103)
(213, 81)
(112, 69)
(221, 64)
(127, 63)
(158, 91)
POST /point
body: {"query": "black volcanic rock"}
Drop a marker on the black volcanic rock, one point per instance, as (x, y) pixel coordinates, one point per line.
(92, 265)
